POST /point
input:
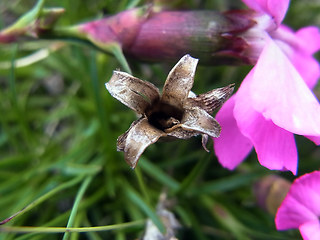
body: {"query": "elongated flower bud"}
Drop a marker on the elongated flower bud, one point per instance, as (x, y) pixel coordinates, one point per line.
(211, 36)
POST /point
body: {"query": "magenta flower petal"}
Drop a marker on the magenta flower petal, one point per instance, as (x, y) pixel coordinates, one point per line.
(299, 47)
(277, 9)
(275, 146)
(301, 206)
(307, 67)
(305, 63)
(311, 36)
(292, 214)
(310, 230)
(280, 94)
(231, 147)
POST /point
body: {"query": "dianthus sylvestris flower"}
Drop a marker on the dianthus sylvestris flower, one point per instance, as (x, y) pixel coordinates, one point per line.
(301, 208)
(175, 113)
(274, 101)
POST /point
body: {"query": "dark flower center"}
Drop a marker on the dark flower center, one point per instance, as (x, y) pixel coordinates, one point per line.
(163, 116)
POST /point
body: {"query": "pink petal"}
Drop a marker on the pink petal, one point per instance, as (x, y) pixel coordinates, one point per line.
(306, 190)
(291, 214)
(275, 8)
(280, 94)
(310, 230)
(299, 48)
(231, 147)
(304, 62)
(311, 36)
(308, 68)
(301, 204)
(275, 146)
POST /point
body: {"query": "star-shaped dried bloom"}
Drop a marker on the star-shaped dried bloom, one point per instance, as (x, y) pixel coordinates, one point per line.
(176, 113)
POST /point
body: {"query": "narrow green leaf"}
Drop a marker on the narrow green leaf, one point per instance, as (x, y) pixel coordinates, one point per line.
(156, 173)
(136, 199)
(44, 197)
(70, 230)
(75, 207)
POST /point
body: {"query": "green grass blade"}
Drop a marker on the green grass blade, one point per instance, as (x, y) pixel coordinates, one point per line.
(138, 201)
(44, 197)
(75, 207)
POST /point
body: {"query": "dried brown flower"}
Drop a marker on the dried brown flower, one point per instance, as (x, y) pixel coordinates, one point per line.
(175, 113)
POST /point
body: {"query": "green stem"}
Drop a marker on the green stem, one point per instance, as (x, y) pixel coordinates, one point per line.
(142, 185)
(75, 207)
(69, 230)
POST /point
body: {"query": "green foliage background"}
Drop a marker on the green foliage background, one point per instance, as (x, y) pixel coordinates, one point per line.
(58, 131)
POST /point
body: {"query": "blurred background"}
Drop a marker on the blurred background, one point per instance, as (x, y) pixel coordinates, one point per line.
(58, 133)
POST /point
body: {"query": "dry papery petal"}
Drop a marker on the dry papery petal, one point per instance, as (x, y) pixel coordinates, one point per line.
(179, 82)
(211, 100)
(132, 92)
(139, 136)
(197, 121)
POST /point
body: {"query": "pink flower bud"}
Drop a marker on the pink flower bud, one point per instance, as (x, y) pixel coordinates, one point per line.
(144, 34)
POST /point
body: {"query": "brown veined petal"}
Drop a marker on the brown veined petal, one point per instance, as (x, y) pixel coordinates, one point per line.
(178, 132)
(134, 141)
(198, 120)
(211, 100)
(132, 92)
(179, 81)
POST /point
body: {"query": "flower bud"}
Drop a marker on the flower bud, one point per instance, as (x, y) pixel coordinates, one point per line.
(270, 192)
(143, 33)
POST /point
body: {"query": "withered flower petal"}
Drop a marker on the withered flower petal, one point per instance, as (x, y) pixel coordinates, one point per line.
(199, 120)
(136, 139)
(132, 92)
(179, 82)
(211, 100)
(177, 113)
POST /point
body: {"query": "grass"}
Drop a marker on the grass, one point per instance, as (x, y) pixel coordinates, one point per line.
(60, 174)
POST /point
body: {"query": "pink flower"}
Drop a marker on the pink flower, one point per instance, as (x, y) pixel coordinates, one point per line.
(274, 101)
(301, 208)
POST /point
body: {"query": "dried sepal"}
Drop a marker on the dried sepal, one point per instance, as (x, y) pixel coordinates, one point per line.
(179, 132)
(204, 142)
(139, 136)
(132, 92)
(198, 120)
(211, 100)
(179, 82)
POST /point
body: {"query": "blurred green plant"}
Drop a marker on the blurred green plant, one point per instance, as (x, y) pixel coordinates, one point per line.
(58, 127)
